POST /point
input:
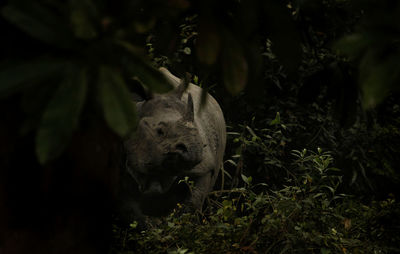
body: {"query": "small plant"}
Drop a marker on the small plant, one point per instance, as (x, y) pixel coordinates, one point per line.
(260, 152)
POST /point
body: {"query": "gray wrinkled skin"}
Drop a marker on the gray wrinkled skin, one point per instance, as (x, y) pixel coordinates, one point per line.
(174, 139)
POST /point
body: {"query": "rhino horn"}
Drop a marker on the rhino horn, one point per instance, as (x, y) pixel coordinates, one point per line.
(189, 114)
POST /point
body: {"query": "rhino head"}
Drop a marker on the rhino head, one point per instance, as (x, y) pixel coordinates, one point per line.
(166, 145)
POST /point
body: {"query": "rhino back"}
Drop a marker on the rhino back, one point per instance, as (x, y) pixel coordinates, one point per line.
(210, 121)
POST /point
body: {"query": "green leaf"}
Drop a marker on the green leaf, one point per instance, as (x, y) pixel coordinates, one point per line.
(277, 119)
(118, 108)
(352, 45)
(246, 179)
(81, 17)
(374, 88)
(40, 23)
(227, 203)
(208, 44)
(61, 117)
(140, 68)
(329, 188)
(187, 51)
(232, 162)
(377, 77)
(151, 77)
(16, 78)
(33, 102)
(317, 195)
(81, 25)
(325, 251)
(134, 224)
(226, 173)
(335, 169)
(234, 67)
(251, 131)
(144, 26)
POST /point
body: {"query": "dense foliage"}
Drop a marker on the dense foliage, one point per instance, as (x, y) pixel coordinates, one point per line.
(292, 203)
(306, 215)
(274, 195)
(309, 89)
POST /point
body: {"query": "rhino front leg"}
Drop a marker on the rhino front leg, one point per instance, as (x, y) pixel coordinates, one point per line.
(202, 187)
(200, 191)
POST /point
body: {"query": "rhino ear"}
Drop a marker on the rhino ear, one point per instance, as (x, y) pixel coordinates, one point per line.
(139, 106)
(140, 92)
(189, 114)
(149, 95)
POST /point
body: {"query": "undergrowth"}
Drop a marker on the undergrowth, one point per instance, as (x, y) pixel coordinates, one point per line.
(305, 213)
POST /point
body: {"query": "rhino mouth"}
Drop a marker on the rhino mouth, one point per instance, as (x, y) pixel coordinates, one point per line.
(152, 185)
(177, 163)
(156, 203)
(158, 195)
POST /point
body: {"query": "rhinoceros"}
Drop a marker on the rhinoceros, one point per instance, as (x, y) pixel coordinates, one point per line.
(176, 137)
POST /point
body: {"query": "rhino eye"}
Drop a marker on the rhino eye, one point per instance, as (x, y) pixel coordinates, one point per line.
(160, 132)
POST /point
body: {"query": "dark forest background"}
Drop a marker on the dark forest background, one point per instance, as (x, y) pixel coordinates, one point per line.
(309, 90)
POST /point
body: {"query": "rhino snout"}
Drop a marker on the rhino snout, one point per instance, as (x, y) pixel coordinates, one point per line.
(177, 149)
(175, 154)
(154, 188)
(180, 147)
